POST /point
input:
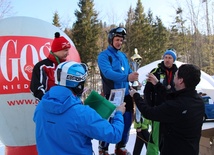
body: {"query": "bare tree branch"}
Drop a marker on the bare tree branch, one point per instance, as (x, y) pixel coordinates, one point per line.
(5, 8)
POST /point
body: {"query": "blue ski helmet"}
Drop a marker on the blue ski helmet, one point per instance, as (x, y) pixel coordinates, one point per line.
(70, 74)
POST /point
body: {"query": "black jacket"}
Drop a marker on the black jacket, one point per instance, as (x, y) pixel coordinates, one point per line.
(150, 93)
(181, 117)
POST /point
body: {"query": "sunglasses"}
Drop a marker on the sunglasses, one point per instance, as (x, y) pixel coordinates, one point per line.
(121, 31)
(76, 78)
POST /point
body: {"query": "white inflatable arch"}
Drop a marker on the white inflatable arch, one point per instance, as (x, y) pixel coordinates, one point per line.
(206, 84)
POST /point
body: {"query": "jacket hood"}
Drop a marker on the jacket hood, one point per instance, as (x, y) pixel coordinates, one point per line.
(59, 99)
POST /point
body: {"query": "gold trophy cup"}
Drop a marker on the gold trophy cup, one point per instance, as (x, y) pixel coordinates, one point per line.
(135, 63)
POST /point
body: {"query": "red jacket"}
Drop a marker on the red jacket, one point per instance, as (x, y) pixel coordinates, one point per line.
(43, 76)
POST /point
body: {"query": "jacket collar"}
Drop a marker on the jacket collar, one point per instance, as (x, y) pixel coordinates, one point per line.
(54, 59)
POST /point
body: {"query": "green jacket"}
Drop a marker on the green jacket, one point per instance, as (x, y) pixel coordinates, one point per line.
(143, 124)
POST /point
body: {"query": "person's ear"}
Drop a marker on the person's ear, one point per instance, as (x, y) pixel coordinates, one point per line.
(181, 81)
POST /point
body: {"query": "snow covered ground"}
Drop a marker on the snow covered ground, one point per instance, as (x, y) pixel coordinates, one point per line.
(130, 144)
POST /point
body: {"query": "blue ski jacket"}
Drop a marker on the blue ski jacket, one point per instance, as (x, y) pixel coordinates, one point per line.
(65, 126)
(114, 67)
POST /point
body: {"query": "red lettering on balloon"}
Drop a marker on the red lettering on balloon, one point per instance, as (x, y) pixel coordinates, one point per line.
(18, 55)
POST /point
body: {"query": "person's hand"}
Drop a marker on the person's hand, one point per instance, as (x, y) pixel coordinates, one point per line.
(152, 78)
(133, 76)
(132, 91)
(122, 108)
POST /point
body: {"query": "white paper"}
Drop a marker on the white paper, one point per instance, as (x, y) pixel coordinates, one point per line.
(117, 97)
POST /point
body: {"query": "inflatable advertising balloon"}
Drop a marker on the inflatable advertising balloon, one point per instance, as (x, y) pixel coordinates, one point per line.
(23, 42)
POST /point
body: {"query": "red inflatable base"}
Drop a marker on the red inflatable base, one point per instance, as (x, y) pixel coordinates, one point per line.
(21, 150)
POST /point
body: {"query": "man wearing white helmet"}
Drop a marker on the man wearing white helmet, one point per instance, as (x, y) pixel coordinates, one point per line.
(64, 126)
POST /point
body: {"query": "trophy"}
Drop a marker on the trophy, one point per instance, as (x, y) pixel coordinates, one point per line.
(135, 63)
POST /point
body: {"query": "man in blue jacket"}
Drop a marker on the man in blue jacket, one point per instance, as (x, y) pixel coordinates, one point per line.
(64, 126)
(116, 73)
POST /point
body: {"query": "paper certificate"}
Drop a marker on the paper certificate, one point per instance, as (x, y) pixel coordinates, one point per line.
(117, 97)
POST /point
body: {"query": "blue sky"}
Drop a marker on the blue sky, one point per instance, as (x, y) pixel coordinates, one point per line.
(112, 11)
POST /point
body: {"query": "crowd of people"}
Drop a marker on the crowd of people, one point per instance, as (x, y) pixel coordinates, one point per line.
(170, 105)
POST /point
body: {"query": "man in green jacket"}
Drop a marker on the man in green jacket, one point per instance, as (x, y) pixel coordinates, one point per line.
(164, 72)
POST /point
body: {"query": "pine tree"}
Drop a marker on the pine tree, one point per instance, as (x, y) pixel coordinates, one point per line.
(56, 21)
(138, 28)
(86, 31)
(180, 39)
(158, 39)
(129, 41)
